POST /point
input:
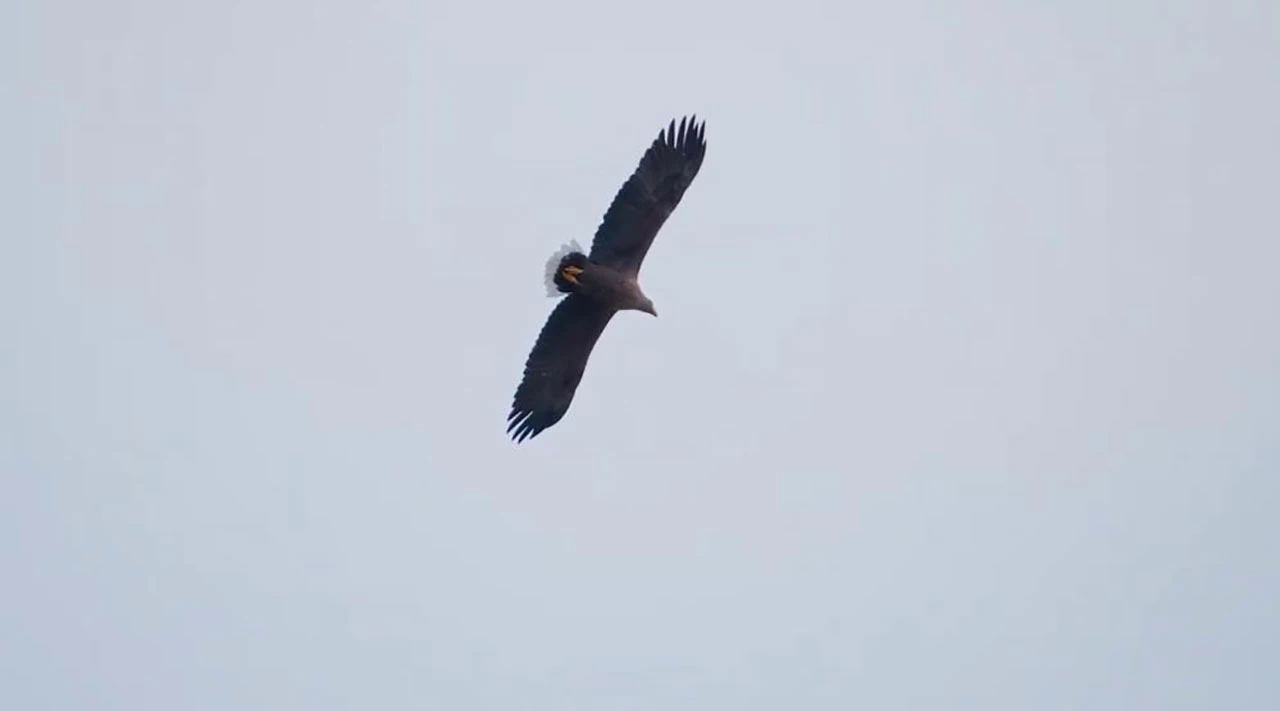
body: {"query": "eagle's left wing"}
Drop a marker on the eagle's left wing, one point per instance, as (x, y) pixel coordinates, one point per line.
(556, 364)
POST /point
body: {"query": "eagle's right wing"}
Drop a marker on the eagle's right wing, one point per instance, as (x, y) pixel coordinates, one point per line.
(556, 364)
(646, 200)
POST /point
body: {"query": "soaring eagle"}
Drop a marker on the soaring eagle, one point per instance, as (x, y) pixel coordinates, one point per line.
(604, 282)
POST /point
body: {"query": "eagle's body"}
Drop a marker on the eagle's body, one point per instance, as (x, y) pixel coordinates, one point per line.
(608, 286)
(605, 282)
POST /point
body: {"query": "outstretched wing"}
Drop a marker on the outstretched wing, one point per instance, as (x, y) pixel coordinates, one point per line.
(648, 197)
(555, 365)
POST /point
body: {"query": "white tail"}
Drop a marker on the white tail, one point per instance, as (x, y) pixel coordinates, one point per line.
(554, 262)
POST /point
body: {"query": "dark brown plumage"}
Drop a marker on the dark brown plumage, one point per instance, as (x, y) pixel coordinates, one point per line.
(602, 283)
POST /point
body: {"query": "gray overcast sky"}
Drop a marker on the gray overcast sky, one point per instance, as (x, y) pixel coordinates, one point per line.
(965, 391)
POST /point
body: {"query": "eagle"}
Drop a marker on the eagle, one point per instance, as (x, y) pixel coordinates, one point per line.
(598, 285)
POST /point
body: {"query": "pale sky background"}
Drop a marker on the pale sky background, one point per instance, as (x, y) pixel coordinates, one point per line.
(965, 392)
